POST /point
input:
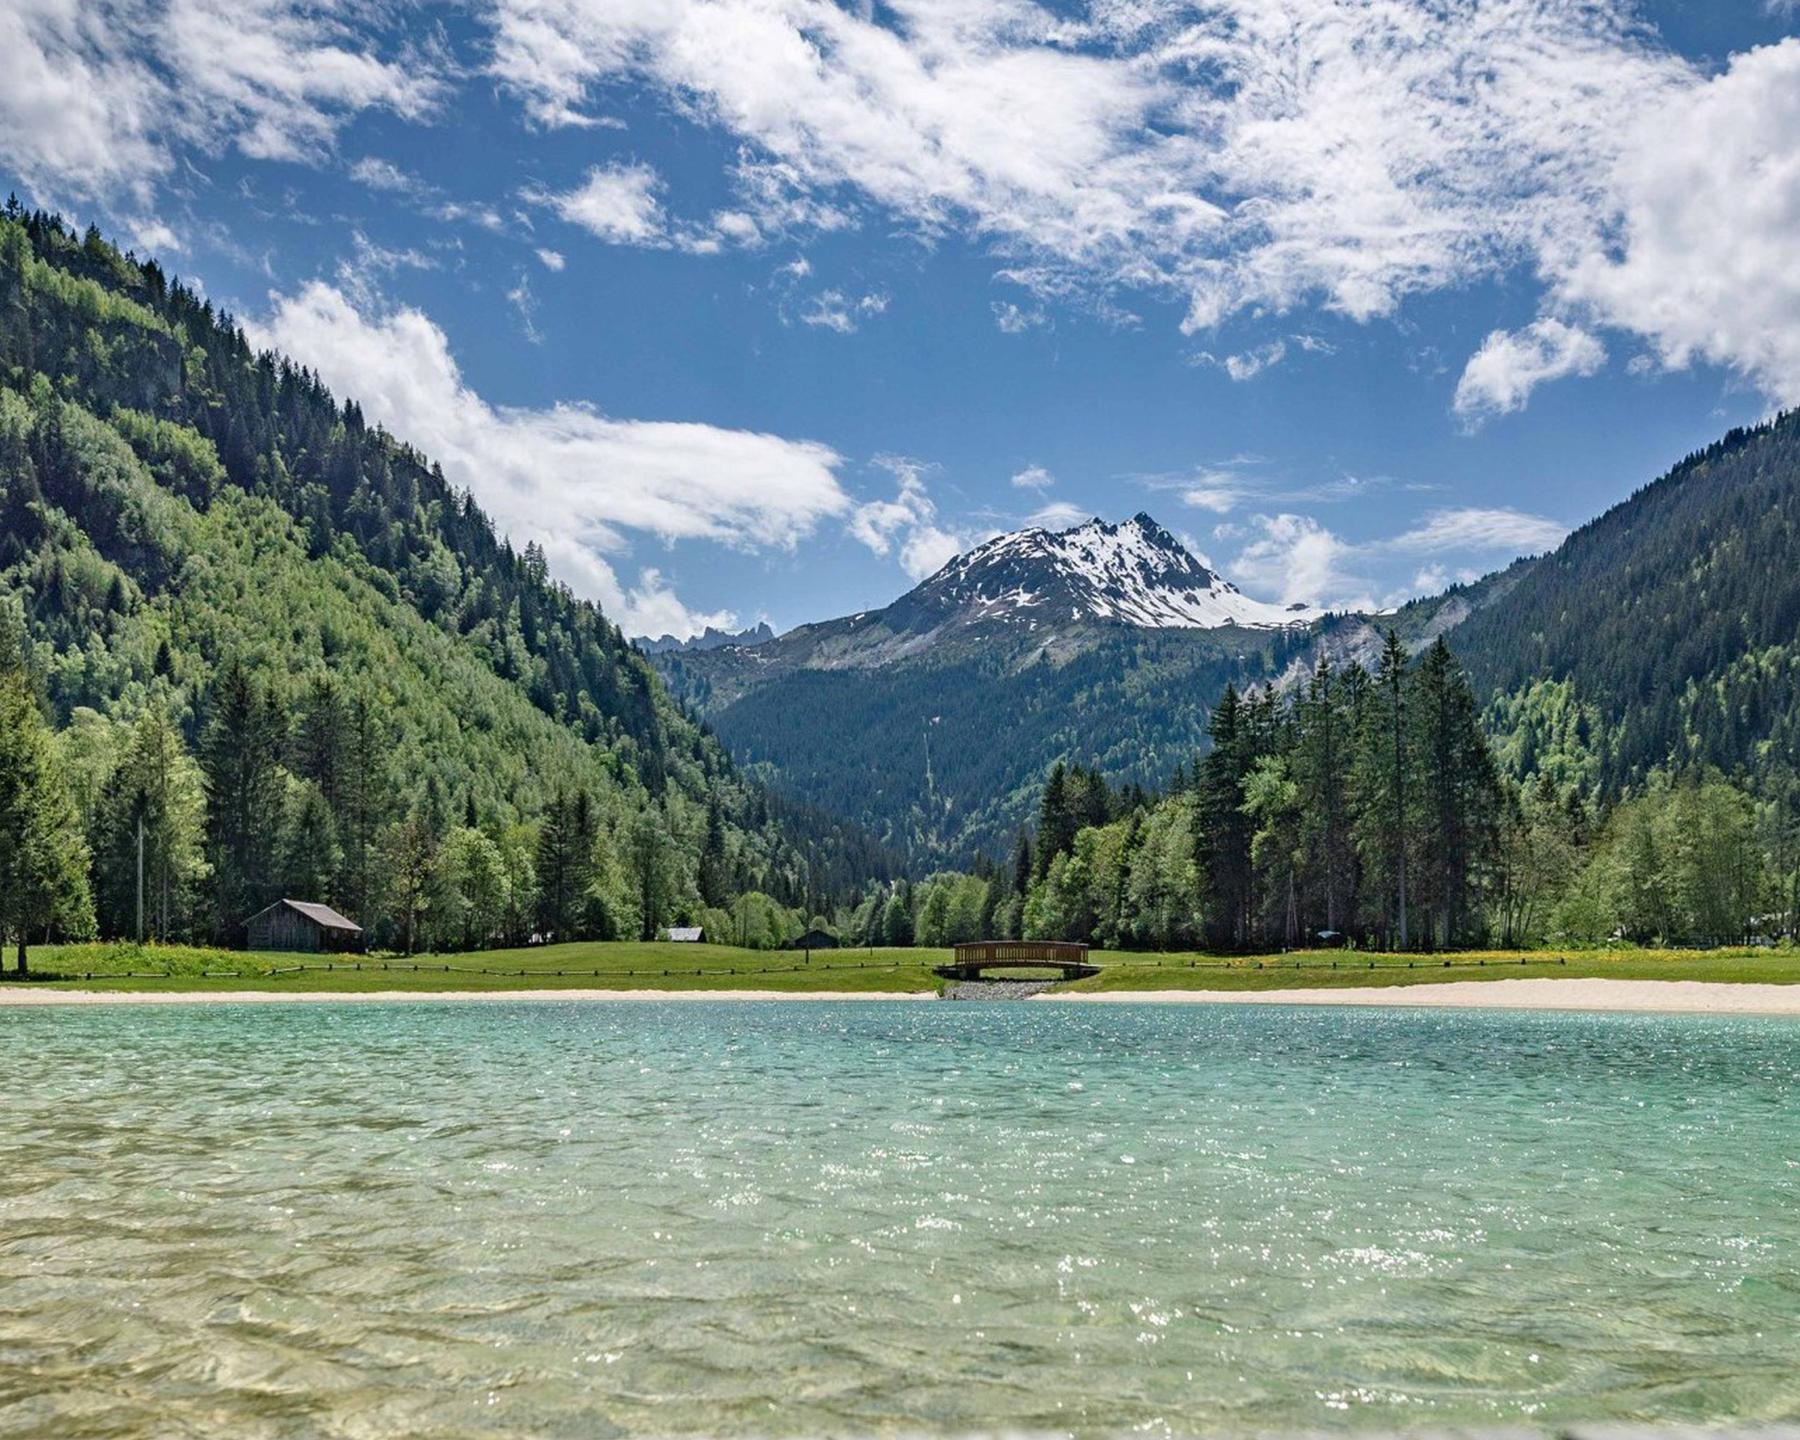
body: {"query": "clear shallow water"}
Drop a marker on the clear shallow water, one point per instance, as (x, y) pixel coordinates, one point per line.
(783, 1219)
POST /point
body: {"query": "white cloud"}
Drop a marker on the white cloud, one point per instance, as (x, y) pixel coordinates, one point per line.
(551, 259)
(1246, 155)
(379, 174)
(1501, 375)
(1295, 558)
(1703, 262)
(569, 477)
(1033, 477)
(616, 202)
(836, 311)
(1057, 515)
(462, 212)
(908, 524)
(97, 100)
(1215, 491)
(1015, 320)
(1248, 364)
(1298, 561)
(1476, 528)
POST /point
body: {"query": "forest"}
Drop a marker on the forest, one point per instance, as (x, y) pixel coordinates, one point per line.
(251, 647)
(279, 638)
(1371, 809)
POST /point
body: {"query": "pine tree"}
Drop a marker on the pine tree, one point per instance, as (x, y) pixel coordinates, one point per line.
(311, 858)
(1458, 793)
(1225, 831)
(715, 887)
(361, 806)
(43, 857)
(240, 752)
(409, 858)
(1056, 819)
(153, 828)
(321, 740)
(1383, 798)
(1323, 751)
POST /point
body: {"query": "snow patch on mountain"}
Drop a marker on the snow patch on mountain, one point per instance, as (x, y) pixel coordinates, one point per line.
(1133, 573)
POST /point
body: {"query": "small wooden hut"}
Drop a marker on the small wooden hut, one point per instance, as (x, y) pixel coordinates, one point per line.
(302, 925)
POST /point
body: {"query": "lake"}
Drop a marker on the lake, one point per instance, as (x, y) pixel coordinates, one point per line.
(781, 1219)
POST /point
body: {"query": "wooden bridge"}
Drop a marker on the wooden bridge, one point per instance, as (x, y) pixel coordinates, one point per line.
(973, 960)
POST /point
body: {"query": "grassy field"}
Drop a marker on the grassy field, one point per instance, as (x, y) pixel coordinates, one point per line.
(717, 967)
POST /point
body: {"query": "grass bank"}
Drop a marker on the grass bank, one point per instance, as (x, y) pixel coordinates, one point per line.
(661, 966)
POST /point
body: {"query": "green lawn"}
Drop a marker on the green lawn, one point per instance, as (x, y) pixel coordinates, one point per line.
(718, 967)
(592, 965)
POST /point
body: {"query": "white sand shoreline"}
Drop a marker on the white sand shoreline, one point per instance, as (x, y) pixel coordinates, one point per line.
(1668, 997)
(1676, 997)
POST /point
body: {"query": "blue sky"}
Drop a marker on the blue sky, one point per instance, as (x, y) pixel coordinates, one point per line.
(762, 308)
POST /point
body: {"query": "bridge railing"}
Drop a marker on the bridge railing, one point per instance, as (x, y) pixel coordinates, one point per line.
(1021, 952)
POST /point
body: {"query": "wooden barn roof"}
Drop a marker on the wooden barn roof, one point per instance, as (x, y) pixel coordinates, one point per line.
(322, 915)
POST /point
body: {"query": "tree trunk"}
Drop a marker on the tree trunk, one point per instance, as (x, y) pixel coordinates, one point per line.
(24, 967)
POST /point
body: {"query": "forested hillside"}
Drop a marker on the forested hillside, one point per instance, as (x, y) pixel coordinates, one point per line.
(1666, 632)
(899, 726)
(228, 579)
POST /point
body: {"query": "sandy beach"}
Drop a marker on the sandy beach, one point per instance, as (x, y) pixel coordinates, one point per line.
(1694, 997)
(1647, 996)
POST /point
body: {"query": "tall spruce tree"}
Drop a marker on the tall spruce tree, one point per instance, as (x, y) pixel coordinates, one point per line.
(153, 833)
(1225, 831)
(1458, 794)
(362, 805)
(1384, 798)
(1056, 819)
(1323, 749)
(43, 856)
(240, 756)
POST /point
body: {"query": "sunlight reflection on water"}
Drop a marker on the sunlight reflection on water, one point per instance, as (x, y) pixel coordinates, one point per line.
(782, 1219)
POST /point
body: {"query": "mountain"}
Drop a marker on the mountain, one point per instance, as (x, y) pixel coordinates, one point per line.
(1134, 573)
(1665, 633)
(710, 638)
(934, 719)
(173, 503)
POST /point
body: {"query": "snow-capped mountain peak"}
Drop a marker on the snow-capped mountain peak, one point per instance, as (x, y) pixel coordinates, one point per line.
(1131, 573)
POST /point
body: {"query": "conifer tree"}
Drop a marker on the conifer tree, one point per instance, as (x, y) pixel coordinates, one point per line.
(240, 753)
(43, 857)
(1323, 750)
(1458, 793)
(153, 833)
(1384, 800)
(1225, 831)
(1056, 819)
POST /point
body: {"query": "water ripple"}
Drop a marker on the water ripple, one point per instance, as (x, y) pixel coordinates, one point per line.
(782, 1219)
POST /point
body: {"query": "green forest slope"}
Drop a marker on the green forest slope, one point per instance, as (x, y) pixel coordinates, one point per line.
(172, 504)
(1666, 632)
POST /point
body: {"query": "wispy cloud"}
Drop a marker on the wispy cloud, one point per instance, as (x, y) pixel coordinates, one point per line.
(1247, 156)
(618, 203)
(1501, 375)
(577, 481)
(843, 314)
(908, 526)
(1294, 557)
(99, 101)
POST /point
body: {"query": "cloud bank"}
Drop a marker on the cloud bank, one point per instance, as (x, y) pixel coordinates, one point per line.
(573, 479)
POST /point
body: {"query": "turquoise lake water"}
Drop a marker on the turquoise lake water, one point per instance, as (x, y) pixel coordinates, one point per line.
(595, 1219)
